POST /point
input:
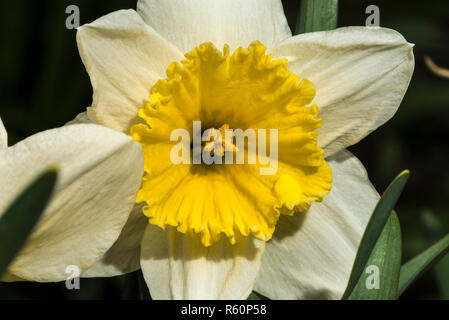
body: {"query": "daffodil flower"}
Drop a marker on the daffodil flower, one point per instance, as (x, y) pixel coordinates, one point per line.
(218, 231)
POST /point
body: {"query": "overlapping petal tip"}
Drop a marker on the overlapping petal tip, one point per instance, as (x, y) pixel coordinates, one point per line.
(361, 75)
(100, 173)
(8, 277)
(177, 266)
(124, 58)
(187, 23)
(124, 256)
(311, 254)
(81, 118)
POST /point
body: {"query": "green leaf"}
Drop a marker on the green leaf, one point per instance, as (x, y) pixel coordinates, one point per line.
(18, 221)
(442, 277)
(414, 268)
(256, 296)
(317, 15)
(381, 277)
(434, 231)
(375, 227)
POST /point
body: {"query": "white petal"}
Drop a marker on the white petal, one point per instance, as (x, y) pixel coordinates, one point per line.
(176, 266)
(311, 254)
(124, 58)
(3, 136)
(361, 75)
(188, 23)
(124, 256)
(100, 174)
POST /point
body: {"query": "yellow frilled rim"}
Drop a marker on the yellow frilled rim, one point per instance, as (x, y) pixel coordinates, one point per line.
(248, 89)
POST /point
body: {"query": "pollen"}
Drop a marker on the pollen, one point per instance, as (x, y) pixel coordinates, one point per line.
(247, 90)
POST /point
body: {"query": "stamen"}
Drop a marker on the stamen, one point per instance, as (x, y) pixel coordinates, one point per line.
(247, 89)
(218, 137)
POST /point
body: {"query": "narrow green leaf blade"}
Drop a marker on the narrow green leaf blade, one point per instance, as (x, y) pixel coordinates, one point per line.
(442, 276)
(374, 228)
(381, 277)
(414, 268)
(434, 231)
(19, 219)
(317, 15)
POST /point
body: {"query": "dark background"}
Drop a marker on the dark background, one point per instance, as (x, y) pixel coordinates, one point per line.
(43, 84)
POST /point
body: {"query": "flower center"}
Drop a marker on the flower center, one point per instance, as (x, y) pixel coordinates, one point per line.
(272, 165)
(220, 141)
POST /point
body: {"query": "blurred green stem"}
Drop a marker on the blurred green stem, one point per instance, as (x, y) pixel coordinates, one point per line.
(317, 15)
